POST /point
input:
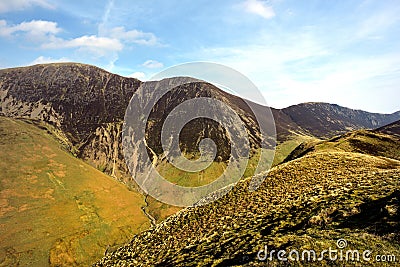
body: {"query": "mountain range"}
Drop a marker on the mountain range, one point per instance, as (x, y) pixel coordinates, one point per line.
(87, 106)
(82, 108)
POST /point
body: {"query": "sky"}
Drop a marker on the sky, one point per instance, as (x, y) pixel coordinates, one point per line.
(344, 52)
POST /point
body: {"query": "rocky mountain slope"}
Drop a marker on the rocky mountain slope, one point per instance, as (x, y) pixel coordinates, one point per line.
(335, 192)
(86, 103)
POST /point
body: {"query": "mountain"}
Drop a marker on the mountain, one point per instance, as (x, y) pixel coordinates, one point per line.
(341, 190)
(326, 120)
(87, 104)
(55, 209)
(86, 107)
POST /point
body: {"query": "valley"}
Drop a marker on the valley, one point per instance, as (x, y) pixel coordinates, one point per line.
(68, 198)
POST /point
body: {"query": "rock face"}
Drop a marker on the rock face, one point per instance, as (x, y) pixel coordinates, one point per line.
(86, 103)
(198, 129)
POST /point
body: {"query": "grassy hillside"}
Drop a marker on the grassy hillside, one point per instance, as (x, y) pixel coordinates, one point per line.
(55, 209)
(374, 143)
(307, 203)
(160, 211)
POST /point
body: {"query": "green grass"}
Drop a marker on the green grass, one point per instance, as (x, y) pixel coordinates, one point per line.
(283, 149)
(161, 211)
(191, 179)
(55, 209)
(208, 175)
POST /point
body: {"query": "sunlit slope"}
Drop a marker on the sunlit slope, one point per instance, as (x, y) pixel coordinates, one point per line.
(306, 203)
(55, 209)
(373, 143)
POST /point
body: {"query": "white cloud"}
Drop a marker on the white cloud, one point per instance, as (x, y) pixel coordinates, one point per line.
(137, 75)
(43, 60)
(35, 30)
(259, 7)
(13, 5)
(133, 36)
(46, 35)
(152, 64)
(92, 43)
(45, 32)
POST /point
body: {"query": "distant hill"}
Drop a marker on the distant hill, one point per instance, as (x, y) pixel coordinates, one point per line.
(326, 120)
(384, 141)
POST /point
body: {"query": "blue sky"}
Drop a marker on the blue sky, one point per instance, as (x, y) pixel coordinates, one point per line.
(343, 52)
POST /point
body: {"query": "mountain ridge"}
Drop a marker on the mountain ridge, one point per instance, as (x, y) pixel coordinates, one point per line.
(88, 105)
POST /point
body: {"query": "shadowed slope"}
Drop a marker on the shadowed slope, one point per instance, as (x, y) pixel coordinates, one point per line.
(393, 128)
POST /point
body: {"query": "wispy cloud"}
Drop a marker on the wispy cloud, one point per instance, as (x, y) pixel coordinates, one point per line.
(152, 64)
(16, 5)
(259, 8)
(92, 43)
(104, 20)
(132, 36)
(303, 66)
(43, 60)
(375, 26)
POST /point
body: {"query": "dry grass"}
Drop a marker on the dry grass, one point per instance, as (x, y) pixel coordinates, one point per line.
(306, 203)
(55, 209)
